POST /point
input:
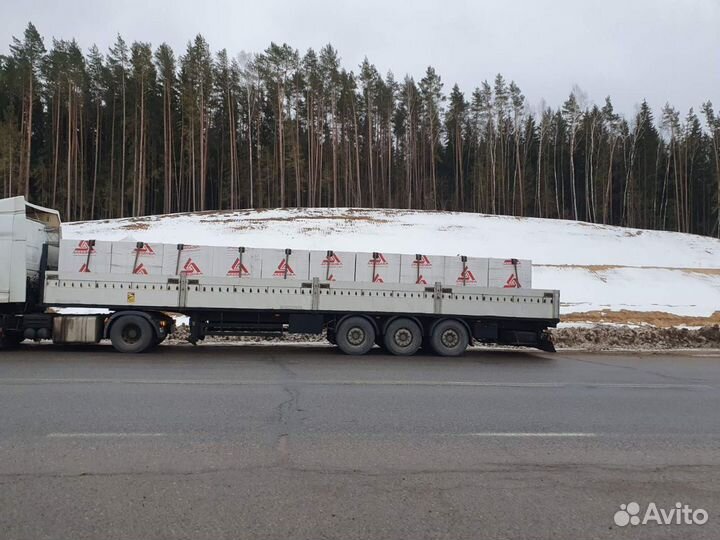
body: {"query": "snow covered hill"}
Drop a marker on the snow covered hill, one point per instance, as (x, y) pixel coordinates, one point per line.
(604, 273)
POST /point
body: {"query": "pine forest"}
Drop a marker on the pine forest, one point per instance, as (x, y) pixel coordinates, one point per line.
(140, 129)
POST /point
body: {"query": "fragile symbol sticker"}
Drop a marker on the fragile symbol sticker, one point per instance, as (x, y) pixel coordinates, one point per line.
(83, 248)
(191, 269)
(283, 269)
(238, 269)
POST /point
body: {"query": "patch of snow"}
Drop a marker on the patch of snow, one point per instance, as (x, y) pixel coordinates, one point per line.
(545, 241)
(668, 290)
(82, 311)
(595, 267)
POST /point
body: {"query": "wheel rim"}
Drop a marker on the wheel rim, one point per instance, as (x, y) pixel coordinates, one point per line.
(403, 337)
(450, 338)
(356, 336)
(131, 333)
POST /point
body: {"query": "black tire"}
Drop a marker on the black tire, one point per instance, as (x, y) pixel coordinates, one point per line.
(449, 338)
(403, 337)
(132, 334)
(355, 335)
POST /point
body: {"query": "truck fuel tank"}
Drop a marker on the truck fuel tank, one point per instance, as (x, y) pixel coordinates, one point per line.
(78, 328)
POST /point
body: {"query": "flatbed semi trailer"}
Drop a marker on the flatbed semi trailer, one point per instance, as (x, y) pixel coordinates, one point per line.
(354, 315)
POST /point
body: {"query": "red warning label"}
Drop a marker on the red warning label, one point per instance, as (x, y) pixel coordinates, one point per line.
(466, 276)
(421, 281)
(140, 269)
(83, 248)
(284, 269)
(377, 278)
(145, 250)
(238, 269)
(380, 260)
(424, 262)
(332, 260)
(512, 282)
(191, 268)
(84, 268)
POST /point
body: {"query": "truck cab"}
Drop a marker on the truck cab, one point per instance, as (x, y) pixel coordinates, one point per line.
(25, 230)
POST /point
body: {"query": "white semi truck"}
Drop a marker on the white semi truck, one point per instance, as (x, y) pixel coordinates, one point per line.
(40, 274)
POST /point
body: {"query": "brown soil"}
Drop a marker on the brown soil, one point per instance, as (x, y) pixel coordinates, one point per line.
(655, 318)
(605, 267)
(609, 337)
(139, 226)
(597, 338)
(294, 218)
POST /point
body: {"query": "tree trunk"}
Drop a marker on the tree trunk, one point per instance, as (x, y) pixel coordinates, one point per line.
(97, 157)
(28, 143)
(68, 190)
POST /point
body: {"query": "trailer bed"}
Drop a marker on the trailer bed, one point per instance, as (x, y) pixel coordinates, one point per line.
(185, 295)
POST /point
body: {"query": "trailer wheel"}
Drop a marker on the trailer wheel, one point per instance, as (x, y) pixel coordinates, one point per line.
(132, 334)
(403, 337)
(449, 338)
(355, 335)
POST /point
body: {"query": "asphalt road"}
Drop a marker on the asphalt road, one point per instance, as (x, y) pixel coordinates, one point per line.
(302, 442)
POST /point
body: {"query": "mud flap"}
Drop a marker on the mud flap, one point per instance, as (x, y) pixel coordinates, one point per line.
(545, 342)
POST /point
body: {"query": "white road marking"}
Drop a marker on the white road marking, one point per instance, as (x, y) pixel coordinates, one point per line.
(102, 435)
(531, 434)
(478, 384)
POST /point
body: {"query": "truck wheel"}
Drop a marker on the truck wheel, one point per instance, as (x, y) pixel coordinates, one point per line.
(355, 335)
(449, 338)
(403, 337)
(132, 334)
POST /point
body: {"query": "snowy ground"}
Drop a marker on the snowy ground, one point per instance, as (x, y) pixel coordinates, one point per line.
(604, 274)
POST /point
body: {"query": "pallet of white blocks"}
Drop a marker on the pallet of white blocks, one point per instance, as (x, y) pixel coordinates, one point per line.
(333, 265)
(85, 256)
(127, 257)
(151, 258)
(510, 273)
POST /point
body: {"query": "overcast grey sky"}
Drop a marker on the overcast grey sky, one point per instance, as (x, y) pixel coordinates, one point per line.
(662, 50)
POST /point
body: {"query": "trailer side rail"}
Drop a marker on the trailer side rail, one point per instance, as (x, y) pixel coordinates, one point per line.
(184, 294)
